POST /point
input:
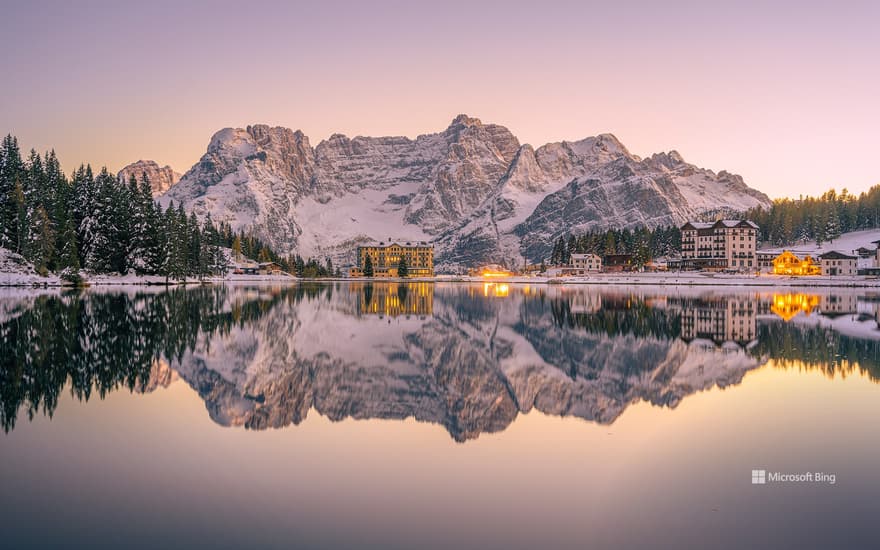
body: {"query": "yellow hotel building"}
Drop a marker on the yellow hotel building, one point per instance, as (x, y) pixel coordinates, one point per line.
(386, 257)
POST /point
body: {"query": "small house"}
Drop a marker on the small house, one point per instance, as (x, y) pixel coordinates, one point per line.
(836, 263)
(582, 264)
(615, 263)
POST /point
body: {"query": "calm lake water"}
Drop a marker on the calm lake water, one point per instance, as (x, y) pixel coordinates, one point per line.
(351, 415)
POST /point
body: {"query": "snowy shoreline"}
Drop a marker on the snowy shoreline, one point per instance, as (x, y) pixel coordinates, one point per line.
(12, 280)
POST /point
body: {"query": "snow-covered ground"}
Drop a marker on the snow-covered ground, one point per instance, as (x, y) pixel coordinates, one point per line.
(847, 243)
(16, 271)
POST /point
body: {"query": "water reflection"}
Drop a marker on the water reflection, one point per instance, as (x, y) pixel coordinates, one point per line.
(467, 357)
(394, 299)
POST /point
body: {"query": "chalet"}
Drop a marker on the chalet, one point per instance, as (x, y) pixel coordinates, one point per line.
(615, 263)
(246, 268)
(836, 263)
(586, 263)
(789, 264)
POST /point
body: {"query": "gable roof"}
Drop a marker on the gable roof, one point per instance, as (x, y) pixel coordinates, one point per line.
(835, 255)
(736, 223)
(696, 225)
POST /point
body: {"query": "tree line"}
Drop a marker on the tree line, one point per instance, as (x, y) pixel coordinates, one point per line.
(820, 219)
(642, 243)
(103, 225)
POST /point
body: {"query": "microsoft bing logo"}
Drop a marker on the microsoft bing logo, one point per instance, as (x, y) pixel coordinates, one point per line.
(759, 477)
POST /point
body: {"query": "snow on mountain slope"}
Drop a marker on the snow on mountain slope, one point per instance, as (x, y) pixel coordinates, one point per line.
(472, 189)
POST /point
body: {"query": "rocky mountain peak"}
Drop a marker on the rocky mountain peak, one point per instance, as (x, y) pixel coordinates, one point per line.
(466, 121)
(161, 178)
(670, 160)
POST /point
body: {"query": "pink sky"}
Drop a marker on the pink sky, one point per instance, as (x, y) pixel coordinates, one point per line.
(785, 95)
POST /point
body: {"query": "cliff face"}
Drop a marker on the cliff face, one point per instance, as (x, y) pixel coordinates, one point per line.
(161, 178)
(472, 189)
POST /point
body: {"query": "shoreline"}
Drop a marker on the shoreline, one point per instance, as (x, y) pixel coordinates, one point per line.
(696, 279)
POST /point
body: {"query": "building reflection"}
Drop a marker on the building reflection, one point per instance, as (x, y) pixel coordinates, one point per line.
(496, 290)
(788, 306)
(719, 319)
(395, 299)
(835, 305)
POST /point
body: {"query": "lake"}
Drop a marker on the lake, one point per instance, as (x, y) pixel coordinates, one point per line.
(437, 415)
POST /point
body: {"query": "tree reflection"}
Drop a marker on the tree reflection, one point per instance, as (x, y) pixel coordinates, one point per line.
(468, 361)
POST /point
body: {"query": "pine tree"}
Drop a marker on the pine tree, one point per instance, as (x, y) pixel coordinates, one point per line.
(69, 255)
(402, 268)
(368, 266)
(236, 249)
(158, 238)
(194, 246)
(138, 257)
(571, 248)
(21, 217)
(102, 232)
(832, 225)
(41, 240)
(11, 173)
(84, 211)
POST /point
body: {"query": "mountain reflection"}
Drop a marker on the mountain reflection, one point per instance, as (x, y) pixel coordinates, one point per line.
(467, 357)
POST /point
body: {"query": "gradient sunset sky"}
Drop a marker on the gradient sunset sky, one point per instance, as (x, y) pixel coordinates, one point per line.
(787, 95)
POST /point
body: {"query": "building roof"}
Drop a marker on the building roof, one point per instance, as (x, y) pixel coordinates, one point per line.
(696, 225)
(737, 223)
(835, 255)
(401, 243)
(720, 223)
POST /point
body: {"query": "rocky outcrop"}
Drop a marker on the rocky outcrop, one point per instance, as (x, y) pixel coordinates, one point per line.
(473, 190)
(161, 178)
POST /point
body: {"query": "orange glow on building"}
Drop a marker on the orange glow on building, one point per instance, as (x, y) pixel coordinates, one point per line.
(789, 264)
(494, 271)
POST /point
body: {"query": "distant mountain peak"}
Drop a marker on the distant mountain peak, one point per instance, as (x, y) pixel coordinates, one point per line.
(161, 178)
(464, 120)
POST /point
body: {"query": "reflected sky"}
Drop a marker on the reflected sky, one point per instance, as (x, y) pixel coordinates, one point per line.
(146, 466)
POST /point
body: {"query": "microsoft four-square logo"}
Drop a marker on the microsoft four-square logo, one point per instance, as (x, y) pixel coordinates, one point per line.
(759, 477)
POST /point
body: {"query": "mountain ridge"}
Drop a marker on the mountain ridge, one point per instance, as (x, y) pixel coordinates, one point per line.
(473, 189)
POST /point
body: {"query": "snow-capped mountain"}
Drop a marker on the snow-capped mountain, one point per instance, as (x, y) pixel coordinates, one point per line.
(161, 178)
(473, 190)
